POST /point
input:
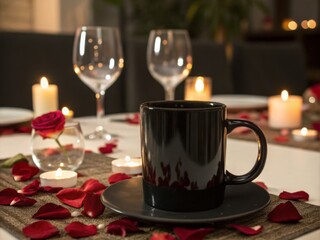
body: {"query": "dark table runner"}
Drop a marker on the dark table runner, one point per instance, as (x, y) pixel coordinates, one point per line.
(13, 219)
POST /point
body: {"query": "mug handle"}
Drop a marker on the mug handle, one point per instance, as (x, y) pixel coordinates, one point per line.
(261, 157)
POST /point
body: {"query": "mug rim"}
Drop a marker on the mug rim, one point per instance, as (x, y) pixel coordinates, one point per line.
(200, 105)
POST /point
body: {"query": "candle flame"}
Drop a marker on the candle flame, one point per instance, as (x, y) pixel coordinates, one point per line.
(284, 95)
(65, 111)
(199, 85)
(58, 173)
(127, 158)
(304, 131)
(44, 82)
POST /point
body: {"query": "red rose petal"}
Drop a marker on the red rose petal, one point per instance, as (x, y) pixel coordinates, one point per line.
(22, 201)
(24, 129)
(262, 184)
(79, 230)
(192, 234)
(134, 119)
(92, 205)
(72, 196)
(316, 126)
(244, 116)
(281, 139)
(117, 177)
(7, 195)
(52, 211)
(88, 151)
(247, 230)
(22, 171)
(49, 189)
(120, 227)
(162, 236)
(108, 148)
(294, 196)
(92, 185)
(30, 189)
(40, 230)
(284, 212)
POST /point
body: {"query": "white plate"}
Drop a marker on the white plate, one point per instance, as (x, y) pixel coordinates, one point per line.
(242, 102)
(14, 115)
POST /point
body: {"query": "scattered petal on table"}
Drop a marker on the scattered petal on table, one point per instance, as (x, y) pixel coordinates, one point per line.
(117, 177)
(121, 226)
(281, 139)
(107, 148)
(22, 171)
(72, 196)
(52, 211)
(92, 185)
(261, 184)
(247, 230)
(40, 230)
(7, 195)
(300, 195)
(92, 205)
(191, 234)
(79, 230)
(30, 189)
(162, 236)
(284, 212)
(22, 201)
(49, 189)
(134, 119)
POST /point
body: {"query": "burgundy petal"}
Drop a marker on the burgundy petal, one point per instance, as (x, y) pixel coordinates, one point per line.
(300, 195)
(135, 119)
(30, 189)
(79, 230)
(281, 139)
(52, 211)
(122, 226)
(22, 201)
(262, 184)
(49, 189)
(162, 236)
(117, 177)
(247, 230)
(191, 234)
(92, 185)
(7, 195)
(107, 148)
(22, 171)
(72, 196)
(284, 212)
(40, 230)
(92, 205)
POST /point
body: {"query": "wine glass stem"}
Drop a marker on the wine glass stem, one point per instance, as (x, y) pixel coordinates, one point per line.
(100, 109)
(169, 94)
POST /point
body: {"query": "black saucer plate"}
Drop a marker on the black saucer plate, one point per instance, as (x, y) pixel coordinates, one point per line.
(126, 197)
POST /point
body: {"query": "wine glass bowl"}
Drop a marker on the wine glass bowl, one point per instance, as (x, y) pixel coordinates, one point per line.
(98, 61)
(169, 58)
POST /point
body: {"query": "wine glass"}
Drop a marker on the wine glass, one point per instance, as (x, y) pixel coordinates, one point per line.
(98, 61)
(169, 58)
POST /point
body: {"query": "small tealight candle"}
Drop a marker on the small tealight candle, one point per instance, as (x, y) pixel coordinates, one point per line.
(198, 88)
(285, 111)
(127, 165)
(59, 178)
(304, 134)
(67, 112)
(44, 97)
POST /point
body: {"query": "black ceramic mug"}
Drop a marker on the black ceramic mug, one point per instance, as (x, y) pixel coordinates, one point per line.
(183, 147)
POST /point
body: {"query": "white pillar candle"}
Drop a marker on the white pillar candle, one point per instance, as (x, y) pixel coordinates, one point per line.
(44, 97)
(304, 134)
(59, 178)
(198, 89)
(285, 111)
(127, 165)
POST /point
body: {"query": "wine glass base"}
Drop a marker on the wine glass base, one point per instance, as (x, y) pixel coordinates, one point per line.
(101, 134)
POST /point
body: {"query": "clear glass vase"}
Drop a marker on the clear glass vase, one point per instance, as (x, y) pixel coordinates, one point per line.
(65, 152)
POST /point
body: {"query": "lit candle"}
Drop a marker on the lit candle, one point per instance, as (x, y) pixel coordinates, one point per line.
(67, 112)
(59, 178)
(44, 97)
(198, 88)
(285, 111)
(127, 165)
(304, 134)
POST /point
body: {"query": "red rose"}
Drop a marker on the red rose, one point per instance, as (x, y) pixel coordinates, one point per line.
(49, 125)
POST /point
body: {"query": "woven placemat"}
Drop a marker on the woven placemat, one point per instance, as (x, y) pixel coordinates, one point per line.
(13, 219)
